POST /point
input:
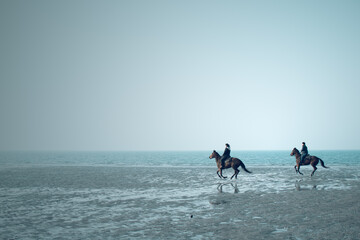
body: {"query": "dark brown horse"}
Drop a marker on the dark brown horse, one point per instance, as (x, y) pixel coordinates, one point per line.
(235, 163)
(312, 160)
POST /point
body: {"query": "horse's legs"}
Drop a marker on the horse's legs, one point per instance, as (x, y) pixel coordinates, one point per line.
(221, 173)
(235, 173)
(314, 166)
(218, 173)
(298, 169)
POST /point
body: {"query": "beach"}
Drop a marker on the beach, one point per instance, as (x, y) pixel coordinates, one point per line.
(60, 201)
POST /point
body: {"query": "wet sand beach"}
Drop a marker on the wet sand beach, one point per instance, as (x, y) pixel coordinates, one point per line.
(100, 202)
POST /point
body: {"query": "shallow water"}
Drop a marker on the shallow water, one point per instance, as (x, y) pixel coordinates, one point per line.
(97, 201)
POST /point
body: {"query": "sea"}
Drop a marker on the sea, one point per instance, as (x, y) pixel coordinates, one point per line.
(177, 195)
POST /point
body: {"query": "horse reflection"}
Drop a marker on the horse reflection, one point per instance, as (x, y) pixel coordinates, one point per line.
(220, 187)
(298, 186)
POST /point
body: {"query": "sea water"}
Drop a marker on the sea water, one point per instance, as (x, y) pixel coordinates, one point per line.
(177, 195)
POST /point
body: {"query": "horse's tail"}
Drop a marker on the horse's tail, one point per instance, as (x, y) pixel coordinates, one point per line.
(322, 163)
(243, 167)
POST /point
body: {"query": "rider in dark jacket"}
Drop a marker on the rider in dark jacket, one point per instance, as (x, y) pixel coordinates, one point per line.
(304, 152)
(225, 155)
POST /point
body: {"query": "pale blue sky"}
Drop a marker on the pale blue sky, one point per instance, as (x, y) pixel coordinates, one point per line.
(179, 75)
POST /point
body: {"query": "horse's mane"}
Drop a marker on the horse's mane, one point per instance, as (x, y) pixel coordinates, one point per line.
(296, 150)
(216, 152)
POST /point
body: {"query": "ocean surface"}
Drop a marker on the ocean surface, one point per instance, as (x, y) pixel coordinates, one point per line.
(177, 195)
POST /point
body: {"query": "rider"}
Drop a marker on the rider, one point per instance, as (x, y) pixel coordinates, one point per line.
(225, 155)
(304, 152)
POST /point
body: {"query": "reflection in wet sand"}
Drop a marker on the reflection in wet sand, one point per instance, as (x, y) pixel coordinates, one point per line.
(233, 185)
(301, 187)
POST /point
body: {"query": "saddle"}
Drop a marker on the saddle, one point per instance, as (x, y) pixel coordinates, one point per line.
(227, 160)
(307, 157)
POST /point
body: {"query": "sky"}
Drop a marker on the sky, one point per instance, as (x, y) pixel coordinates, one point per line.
(179, 75)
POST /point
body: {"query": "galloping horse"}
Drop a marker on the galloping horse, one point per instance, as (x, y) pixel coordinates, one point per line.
(233, 162)
(312, 160)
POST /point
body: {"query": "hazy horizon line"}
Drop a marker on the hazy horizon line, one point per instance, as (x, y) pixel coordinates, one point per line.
(159, 150)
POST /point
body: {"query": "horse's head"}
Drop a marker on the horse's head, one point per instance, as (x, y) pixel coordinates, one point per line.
(214, 154)
(294, 151)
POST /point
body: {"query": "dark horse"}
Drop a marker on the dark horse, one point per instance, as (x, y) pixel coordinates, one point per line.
(312, 160)
(235, 163)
